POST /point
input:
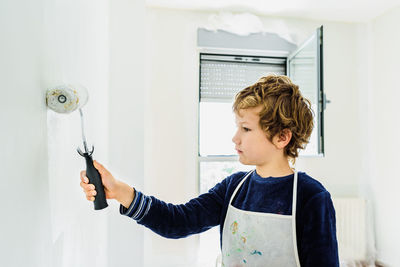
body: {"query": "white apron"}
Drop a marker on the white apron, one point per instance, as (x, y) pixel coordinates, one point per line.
(259, 239)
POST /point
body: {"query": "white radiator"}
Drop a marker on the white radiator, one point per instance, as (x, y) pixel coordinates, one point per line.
(354, 227)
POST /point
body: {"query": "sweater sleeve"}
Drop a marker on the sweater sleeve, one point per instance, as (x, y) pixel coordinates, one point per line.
(177, 221)
(319, 243)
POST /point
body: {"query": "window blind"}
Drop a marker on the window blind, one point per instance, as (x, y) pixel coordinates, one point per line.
(222, 76)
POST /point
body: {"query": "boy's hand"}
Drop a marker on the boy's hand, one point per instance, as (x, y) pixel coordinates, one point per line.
(113, 188)
(109, 182)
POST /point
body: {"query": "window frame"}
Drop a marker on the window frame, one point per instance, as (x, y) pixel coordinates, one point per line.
(321, 104)
(226, 52)
(269, 54)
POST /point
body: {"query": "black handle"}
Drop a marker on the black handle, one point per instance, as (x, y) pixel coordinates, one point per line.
(94, 177)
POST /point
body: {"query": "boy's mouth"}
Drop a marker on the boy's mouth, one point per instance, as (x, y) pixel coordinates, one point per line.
(239, 151)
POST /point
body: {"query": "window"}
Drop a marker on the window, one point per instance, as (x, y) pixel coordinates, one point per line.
(222, 75)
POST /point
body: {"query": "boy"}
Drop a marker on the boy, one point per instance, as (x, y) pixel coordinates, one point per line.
(271, 216)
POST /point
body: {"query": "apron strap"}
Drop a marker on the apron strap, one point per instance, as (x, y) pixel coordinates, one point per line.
(294, 200)
(240, 184)
(294, 217)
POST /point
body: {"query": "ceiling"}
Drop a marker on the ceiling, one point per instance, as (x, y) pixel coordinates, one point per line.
(333, 10)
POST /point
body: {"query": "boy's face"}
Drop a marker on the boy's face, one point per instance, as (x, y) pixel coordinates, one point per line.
(251, 141)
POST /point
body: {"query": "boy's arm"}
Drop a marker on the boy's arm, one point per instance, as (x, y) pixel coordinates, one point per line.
(319, 242)
(173, 221)
(125, 194)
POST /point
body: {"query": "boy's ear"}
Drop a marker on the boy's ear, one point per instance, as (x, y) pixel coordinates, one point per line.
(283, 138)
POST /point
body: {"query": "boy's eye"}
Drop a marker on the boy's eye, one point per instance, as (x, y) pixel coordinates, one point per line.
(246, 129)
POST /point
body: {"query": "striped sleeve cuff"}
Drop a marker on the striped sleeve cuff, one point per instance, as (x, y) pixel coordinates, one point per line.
(138, 208)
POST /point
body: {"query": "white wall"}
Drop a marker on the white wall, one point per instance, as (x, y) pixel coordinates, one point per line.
(75, 50)
(127, 56)
(171, 115)
(23, 163)
(385, 131)
(46, 220)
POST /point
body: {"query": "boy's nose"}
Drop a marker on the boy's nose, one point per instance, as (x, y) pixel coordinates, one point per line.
(235, 138)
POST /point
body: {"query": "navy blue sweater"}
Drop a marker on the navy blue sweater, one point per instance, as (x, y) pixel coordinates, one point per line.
(315, 214)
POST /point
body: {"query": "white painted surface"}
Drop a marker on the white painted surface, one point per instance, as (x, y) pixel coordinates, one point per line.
(332, 10)
(384, 142)
(23, 156)
(45, 219)
(126, 121)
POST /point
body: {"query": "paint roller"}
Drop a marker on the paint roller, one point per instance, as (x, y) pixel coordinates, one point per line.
(66, 99)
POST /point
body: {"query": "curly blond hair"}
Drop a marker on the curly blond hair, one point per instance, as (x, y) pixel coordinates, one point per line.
(283, 107)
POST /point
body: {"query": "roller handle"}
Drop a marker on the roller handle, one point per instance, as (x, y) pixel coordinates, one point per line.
(94, 177)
